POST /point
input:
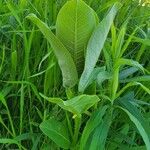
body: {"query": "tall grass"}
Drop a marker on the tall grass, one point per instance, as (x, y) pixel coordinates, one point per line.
(118, 112)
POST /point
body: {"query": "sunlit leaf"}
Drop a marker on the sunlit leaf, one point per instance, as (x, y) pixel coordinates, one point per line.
(96, 44)
(66, 63)
(76, 105)
(74, 26)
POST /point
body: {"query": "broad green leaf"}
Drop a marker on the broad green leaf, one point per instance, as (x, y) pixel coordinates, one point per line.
(100, 134)
(96, 44)
(76, 105)
(74, 26)
(92, 123)
(66, 63)
(57, 132)
(136, 117)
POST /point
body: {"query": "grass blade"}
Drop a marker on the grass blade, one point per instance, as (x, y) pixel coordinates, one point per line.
(125, 104)
(140, 127)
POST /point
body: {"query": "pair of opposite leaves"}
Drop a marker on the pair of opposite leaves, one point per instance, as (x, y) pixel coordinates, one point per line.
(74, 26)
(77, 34)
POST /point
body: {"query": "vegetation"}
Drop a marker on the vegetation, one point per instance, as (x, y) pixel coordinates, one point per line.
(74, 74)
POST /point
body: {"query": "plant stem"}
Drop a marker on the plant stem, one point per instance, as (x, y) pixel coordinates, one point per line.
(69, 124)
(77, 129)
(114, 84)
(11, 122)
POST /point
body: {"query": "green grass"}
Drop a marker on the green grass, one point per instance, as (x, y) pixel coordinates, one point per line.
(106, 107)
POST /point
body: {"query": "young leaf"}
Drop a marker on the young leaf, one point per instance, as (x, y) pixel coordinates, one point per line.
(76, 105)
(119, 42)
(66, 63)
(123, 61)
(74, 26)
(128, 41)
(57, 132)
(118, 64)
(96, 44)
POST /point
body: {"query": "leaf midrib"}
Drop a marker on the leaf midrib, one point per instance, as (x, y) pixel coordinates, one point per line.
(75, 36)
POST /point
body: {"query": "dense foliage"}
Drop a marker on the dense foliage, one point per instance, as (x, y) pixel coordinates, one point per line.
(74, 74)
